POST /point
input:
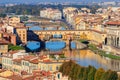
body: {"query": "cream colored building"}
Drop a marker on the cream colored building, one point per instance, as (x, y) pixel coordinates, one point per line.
(14, 21)
(50, 13)
(3, 46)
(50, 65)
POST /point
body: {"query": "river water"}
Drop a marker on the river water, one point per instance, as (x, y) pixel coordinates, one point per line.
(87, 57)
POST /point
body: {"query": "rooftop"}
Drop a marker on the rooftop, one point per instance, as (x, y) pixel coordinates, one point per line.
(3, 41)
(113, 23)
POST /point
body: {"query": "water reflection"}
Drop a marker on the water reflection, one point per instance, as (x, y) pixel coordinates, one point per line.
(87, 57)
(55, 45)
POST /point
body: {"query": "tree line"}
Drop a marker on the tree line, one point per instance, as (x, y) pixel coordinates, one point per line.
(24, 9)
(77, 72)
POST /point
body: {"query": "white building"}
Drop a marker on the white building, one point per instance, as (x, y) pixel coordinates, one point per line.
(50, 13)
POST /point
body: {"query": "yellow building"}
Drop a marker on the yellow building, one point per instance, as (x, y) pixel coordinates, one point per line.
(14, 21)
(97, 37)
(50, 65)
(21, 34)
(3, 46)
(1, 35)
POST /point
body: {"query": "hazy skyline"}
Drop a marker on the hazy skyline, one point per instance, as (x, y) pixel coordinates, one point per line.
(37, 1)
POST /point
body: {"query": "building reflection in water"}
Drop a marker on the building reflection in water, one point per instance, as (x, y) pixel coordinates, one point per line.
(87, 57)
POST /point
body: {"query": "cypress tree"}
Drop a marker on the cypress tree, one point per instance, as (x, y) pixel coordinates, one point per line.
(99, 74)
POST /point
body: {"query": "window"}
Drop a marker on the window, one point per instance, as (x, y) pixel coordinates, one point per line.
(23, 37)
(50, 68)
(58, 76)
(23, 63)
(2, 47)
(57, 68)
(23, 34)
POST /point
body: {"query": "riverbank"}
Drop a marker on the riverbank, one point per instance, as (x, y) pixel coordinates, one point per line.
(102, 53)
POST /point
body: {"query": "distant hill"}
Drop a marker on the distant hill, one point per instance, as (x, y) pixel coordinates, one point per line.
(36, 1)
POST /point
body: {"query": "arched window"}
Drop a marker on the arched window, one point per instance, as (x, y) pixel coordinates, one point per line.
(58, 76)
(117, 41)
(106, 41)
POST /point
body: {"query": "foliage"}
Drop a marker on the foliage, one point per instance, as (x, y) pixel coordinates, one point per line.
(62, 56)
(77, 72)
(24, 9)
(23, 18)
(12, 47)
(2, 15)
(98, 74)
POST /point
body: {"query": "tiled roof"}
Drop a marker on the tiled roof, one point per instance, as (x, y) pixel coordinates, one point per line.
(15, 77)
(113, 23)
(35, 61)
(29, 57)
(17, 60)
(13, 52)
(3, 41)
(47, 61)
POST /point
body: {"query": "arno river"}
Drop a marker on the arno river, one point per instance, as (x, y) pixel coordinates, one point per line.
(82, 57)
(87, 57)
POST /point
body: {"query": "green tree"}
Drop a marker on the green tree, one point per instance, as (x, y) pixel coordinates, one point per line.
(113, 75)
(99, 74)
(91, 74)
(12, 47)
(85, 74)
(2, 15)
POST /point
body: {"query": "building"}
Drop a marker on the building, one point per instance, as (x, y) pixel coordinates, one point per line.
(21, 33)
(113, 33)
(8, 60)
(10, 37)
(29, 63)
(13, 21)
(50, 13)
(50, 65)
(9, 75)
(19, 61)
(3, 46)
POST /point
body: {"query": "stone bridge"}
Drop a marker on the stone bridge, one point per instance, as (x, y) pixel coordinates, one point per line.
(91, 35)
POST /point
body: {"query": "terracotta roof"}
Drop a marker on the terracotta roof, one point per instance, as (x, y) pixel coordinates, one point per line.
(29, 78)
(3, 41)
(24, 73)
(38, 74)
(8, 34)
(2, 70)
(29, 57)
(12, 52)
(113, 23)
(34, 61)
(17, 60)
(47, 61)
(42, 57)
(15, 77)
